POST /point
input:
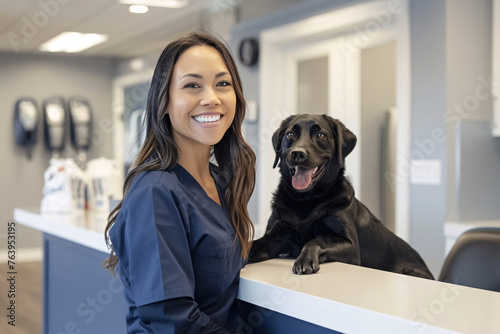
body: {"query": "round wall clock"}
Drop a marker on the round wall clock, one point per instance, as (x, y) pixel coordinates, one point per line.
(249, 51)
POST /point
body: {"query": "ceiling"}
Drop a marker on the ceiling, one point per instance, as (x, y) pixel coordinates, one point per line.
(25, 24)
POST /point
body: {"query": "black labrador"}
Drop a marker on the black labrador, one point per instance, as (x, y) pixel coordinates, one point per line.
(315, 216)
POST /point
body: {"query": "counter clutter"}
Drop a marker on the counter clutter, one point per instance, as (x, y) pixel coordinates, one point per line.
(70, 190)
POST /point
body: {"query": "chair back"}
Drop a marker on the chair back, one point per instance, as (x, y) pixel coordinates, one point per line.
(474, 260)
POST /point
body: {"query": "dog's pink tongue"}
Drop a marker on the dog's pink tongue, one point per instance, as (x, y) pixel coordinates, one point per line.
(302, 178)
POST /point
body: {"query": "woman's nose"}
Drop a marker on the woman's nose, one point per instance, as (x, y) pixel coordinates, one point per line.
(210, 97)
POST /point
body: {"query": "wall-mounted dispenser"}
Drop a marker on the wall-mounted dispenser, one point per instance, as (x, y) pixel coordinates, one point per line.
(80, 116)
(54, 121)
(26, 124)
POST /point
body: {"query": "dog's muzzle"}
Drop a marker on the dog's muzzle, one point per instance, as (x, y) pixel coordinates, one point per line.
(303, 178)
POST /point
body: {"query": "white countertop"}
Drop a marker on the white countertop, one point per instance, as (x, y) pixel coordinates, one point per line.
(353, 299)
(70, 227)
(346, 298)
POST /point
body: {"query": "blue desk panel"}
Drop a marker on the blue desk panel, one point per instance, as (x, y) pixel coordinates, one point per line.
(258, 320)
(80, 296)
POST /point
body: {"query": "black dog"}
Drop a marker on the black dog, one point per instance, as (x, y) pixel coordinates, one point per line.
(315, 216)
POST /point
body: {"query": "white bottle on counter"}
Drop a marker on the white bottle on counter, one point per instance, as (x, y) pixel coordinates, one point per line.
(64, 188)
(105, 184)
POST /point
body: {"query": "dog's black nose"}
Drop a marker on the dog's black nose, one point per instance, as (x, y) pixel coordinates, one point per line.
(299, 154)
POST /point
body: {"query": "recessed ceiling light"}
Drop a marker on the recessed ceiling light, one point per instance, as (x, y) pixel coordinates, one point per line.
(138, 9)
(73, 42)
(136, 64)
(157, 3)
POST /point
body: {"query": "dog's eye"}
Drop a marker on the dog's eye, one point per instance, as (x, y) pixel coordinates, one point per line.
(321, 135)
(290, 135)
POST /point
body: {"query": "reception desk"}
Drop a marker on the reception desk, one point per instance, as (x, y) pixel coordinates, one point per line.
(80, 295)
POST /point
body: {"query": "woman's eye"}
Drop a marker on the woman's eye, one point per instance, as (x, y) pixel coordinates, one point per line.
(290, 135)
(321, 135)
(224, 84)
(191, 85)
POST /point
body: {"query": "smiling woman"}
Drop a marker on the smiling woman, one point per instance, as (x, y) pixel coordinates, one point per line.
(202, 100)
(182, 232)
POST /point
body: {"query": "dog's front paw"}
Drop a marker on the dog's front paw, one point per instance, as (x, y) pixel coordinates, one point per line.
(306, 265)
(258, 252)
(257, 257)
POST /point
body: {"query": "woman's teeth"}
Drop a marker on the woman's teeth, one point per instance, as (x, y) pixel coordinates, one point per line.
(207, 119)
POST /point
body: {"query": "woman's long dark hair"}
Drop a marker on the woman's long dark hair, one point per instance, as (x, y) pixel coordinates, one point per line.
(159, 151)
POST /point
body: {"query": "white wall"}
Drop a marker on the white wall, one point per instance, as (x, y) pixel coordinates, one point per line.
(473, 182)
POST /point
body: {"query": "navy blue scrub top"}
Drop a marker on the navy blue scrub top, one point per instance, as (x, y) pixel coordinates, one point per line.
(177, 255)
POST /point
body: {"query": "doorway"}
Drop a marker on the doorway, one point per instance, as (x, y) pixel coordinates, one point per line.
(315, 66)
(321, 80)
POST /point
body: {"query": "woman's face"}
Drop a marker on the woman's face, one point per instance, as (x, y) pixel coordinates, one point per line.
(202, 100)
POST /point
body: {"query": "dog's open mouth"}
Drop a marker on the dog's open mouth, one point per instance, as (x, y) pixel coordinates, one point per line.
(303, 178)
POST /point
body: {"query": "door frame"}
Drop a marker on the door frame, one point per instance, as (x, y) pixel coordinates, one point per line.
(119, 86)
(344, 25)
(343, 90)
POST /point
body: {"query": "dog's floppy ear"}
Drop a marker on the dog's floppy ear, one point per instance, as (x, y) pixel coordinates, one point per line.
(278, 137)
(345, 138)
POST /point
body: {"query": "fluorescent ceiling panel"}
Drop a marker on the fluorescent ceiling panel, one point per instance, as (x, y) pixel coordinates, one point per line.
(138, 9)
(72, 42)
(157, 3)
